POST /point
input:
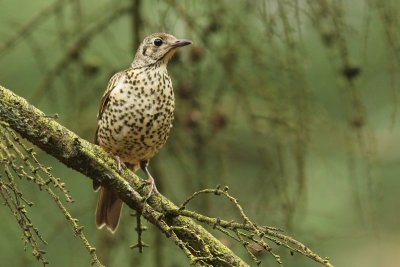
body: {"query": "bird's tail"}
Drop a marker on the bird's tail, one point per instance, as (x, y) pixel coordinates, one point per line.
(108, 210)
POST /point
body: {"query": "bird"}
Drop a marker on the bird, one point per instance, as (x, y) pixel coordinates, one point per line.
(135, 116)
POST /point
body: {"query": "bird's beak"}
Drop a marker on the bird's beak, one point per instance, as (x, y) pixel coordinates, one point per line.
(181, 42)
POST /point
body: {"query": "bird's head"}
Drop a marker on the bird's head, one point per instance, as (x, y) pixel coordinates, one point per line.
(158, 47)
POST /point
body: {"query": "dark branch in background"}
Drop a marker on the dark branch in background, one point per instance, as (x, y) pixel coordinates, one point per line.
(28, 27)
(199, 246)
(74, 52)
(136, 24)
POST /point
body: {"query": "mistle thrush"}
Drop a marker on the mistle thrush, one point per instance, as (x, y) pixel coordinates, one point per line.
(135, 117)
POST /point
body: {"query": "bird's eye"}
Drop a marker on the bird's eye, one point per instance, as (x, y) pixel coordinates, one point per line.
(158, 42)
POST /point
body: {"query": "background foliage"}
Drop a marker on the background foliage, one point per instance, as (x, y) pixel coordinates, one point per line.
(293, 104)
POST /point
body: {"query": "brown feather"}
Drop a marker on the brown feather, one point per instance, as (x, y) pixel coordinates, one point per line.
(106, 96)
(103, 104)
(108, 210)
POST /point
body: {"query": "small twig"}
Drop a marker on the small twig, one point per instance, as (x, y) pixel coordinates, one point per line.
(252, 230)
(139, 230)
(11, 148)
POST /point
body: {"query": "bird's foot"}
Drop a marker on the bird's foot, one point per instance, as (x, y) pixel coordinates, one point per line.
(150, 180)
(152, 187)
(120, 165)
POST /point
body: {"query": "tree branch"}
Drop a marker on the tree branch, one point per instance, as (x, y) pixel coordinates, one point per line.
(199, 246)
(178, 224)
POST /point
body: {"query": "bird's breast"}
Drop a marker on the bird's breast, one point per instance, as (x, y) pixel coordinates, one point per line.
(138, 118)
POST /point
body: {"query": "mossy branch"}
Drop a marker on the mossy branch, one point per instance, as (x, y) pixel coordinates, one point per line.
(95, 163)
(177, 223)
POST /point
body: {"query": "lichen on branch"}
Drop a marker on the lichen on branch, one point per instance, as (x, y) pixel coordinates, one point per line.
(92, 161)
(177, 223)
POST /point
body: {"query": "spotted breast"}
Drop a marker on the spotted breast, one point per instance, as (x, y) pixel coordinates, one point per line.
(138, 115)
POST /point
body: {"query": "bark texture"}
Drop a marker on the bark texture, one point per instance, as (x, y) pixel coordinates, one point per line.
(202, 248)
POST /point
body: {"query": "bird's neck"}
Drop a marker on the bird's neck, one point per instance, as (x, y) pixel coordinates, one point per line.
(160, 65)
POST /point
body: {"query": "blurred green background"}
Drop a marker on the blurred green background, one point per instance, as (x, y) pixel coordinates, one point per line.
(292, 104)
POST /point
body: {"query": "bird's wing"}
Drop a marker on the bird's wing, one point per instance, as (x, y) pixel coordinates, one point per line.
(115, 80)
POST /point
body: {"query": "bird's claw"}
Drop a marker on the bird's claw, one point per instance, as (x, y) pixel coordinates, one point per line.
(152, 187)
(120, 164)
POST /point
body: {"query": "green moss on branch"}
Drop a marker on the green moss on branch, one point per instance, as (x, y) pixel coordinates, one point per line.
(95, 163)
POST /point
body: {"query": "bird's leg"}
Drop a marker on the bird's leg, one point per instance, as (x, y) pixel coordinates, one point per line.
(120, 164)
(150, 180)
(133, 169)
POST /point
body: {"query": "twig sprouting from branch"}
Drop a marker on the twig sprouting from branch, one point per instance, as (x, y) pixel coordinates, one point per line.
(253, 232)
(12, 197)
(140, 245)
(21, 160)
